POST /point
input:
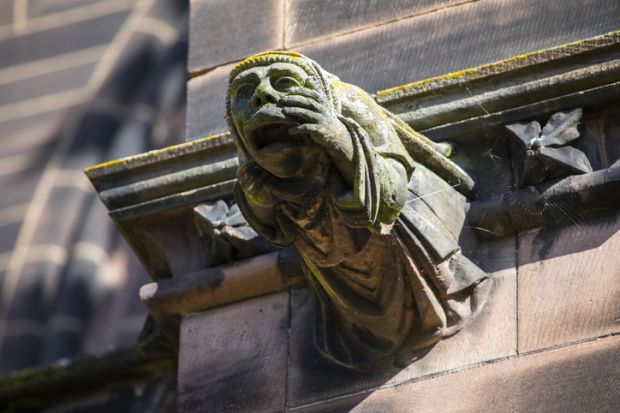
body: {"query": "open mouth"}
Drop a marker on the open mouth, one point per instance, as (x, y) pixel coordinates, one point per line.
(273, 134)
(277, 151)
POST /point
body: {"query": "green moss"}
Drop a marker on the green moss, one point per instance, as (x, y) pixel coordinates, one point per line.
(146, 157)
(501, 66)
(44, 386)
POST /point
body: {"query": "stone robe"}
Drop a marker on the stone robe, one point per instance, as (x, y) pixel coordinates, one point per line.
(381, 253)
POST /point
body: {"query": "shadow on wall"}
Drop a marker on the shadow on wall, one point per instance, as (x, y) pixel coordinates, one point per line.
(68, 281)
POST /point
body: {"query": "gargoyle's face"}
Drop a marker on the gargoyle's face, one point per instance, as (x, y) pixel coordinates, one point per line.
(256, 113)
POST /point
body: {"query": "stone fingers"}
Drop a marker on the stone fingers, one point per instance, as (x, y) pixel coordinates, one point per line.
(301, 102)
(318, 133)
(303, 115)
(307, 92)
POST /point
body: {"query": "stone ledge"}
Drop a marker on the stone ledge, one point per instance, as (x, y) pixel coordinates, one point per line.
(492, 72)
(583, 377)
(595, 59)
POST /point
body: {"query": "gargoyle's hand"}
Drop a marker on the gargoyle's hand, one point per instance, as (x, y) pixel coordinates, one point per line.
(318, 120)
(257, 184)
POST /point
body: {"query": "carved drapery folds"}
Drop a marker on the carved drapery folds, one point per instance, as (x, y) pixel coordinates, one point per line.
(327, 170)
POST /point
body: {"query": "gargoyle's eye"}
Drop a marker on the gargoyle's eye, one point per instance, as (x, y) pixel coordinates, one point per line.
(245, 90)
(284, 83)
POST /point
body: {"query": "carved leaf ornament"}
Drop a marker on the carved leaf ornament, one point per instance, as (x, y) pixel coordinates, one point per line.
(546, 154)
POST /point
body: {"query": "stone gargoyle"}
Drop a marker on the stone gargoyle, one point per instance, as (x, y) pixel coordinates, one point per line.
(324, 168)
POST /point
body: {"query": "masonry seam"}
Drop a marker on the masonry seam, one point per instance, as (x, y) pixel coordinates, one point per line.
(456, 370)
(320, 39)
(288, 347)
(199, 72)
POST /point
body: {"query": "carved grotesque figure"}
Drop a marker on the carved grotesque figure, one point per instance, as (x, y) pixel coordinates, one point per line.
(373, 208)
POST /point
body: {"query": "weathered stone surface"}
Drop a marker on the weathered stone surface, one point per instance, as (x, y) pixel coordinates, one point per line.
(223, 31)
(491, 336)
(601, 136)
(310, 19)
(107, 382)
(206, 103)
(323, 167)
(471, 107)
(338, 405)
(311, 377)
(569, 286)
(541, 154)
(459, 37)
(489, 162)
(233, 358)
(48, 43)
(578, 378)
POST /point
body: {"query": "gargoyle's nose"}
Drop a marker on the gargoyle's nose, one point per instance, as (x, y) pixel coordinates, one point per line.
(262, 95)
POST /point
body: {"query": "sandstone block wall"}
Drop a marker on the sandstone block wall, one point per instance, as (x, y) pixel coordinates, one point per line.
(546, 342)
(375, 44)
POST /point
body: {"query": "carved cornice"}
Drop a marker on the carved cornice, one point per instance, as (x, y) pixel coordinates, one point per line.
(151, 197)
(172, 177)
(455, 106)
(496, 69)
(458, 105)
